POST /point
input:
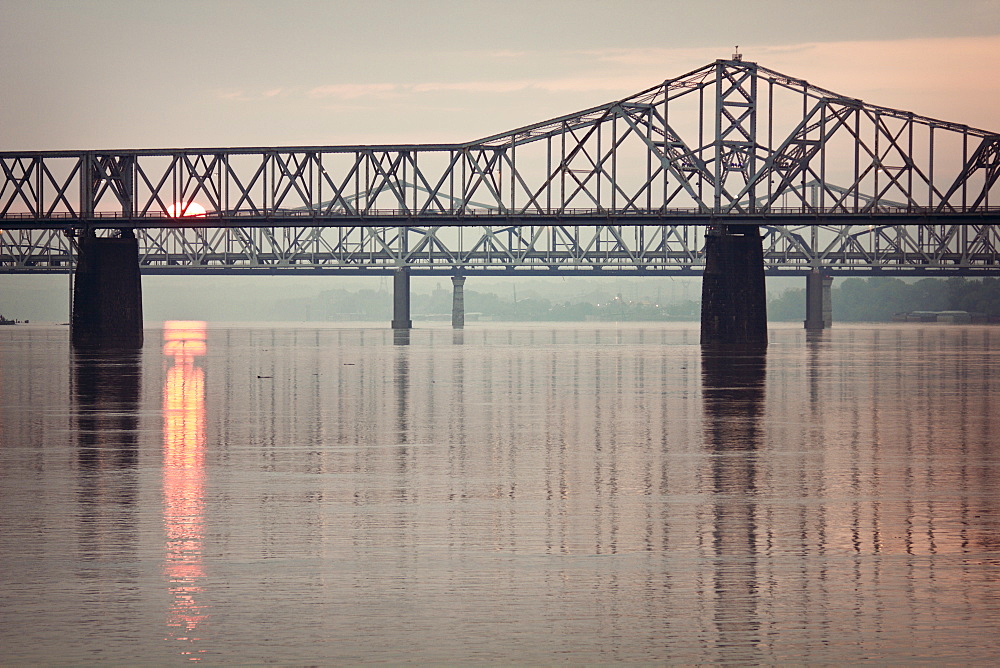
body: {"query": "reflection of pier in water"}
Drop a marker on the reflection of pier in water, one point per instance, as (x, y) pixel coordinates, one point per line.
(106, 390)
(733, 395)
(184, 479)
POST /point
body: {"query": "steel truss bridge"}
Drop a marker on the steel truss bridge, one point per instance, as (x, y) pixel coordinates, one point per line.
(630, 187)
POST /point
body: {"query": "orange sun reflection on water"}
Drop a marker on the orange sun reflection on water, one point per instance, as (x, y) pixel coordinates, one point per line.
(183, 478)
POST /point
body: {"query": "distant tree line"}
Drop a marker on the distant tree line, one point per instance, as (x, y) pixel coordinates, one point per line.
(369, 304)
(854, 300)
(878, 299)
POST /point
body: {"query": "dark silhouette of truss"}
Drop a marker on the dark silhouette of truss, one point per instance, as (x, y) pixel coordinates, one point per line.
(626, 186)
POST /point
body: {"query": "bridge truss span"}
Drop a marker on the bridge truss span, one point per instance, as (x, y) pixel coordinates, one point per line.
(732, 137)
(631, 185)
(929, 249)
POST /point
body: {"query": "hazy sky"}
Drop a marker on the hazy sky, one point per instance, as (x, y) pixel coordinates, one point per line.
(104, 74)
(177, 73)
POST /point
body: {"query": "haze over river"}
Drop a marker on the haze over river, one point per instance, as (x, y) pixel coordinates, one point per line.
(529, 494)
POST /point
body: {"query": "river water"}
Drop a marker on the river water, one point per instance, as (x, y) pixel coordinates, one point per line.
(508, 494)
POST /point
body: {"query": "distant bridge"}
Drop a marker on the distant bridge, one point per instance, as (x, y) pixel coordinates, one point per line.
(628, 187)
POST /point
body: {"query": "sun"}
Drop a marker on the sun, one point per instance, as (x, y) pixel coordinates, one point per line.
(179, 209)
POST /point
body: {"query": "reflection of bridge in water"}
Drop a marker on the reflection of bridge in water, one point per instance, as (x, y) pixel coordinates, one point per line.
(627, 187)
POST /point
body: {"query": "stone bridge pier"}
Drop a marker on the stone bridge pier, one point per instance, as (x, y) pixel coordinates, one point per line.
(733, 299)
(458, 302)
(401, 299)
(819, 304)
(107, 293)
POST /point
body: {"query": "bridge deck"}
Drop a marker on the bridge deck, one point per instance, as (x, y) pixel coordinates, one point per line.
(476, 218)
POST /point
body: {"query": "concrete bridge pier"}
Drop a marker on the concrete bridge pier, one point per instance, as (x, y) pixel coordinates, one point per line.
(733, 299)
(401, 299)
(107, 293)
(819, 305)
(458, 302)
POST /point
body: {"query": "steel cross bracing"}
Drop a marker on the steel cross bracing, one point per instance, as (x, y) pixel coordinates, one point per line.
(625, 185)
(666, 249)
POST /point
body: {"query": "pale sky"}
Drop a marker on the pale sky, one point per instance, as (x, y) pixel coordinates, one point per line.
(103, 74)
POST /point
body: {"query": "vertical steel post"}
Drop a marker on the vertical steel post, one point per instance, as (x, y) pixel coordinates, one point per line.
(718, 174)
(87, 185)
(735, 131)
